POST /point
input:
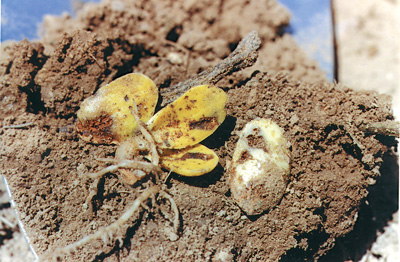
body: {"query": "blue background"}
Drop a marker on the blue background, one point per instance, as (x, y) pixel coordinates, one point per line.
(310, 23)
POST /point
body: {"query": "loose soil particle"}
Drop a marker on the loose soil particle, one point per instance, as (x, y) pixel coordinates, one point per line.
(333, 162)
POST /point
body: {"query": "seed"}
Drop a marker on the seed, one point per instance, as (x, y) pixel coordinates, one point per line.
(260, 167)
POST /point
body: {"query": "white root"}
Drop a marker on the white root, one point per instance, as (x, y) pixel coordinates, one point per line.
(106, 159)
(106, 233)
(92, 193)
(135, 164)
(174, 207)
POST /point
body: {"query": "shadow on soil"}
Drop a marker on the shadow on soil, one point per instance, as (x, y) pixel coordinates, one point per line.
(375, 213)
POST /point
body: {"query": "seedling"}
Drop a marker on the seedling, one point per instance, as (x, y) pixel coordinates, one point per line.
(99, 124)
(170, 139)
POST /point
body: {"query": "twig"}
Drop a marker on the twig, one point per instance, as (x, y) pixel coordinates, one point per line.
(20, 125)
(106, 159)
(334, 42)
(243, 56)
(168, 175)
(353, 137)
(386, 128)
(94, 58)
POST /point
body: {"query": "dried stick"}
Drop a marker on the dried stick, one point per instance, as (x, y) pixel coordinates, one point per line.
(386, 128)
(243, 56)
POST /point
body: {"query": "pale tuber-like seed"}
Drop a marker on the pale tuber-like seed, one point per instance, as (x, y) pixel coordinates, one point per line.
(260, 167)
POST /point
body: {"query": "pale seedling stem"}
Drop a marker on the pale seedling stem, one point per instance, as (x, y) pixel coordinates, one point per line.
(155, 159)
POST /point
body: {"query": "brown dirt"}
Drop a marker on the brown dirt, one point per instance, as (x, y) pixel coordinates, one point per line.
(333, 162)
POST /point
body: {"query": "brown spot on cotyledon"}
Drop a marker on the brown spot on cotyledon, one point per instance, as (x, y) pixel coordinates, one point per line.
(179, 134)
(98, 130)
(126, 98)
(205, 123)
(141, 109)
(257, 141)
(173, 123)
(200, 156)
(165, 138)
(244, 156)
